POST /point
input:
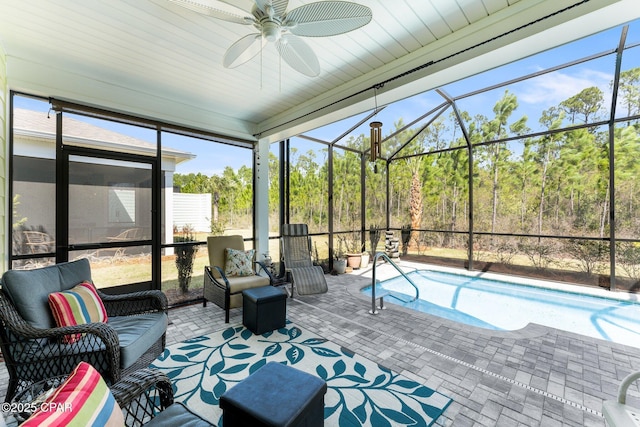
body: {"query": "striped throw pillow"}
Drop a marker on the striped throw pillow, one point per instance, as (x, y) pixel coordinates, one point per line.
(77, 306)
(82, 400)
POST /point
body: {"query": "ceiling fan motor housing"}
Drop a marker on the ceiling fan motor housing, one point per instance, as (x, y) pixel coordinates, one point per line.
(270, 29)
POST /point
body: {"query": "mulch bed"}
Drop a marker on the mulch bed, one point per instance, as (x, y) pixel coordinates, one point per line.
(177, 297)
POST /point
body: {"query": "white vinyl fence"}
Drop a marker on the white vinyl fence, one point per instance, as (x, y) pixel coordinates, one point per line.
(193, 210)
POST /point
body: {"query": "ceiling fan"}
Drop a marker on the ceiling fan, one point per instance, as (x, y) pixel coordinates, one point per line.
(275, 24)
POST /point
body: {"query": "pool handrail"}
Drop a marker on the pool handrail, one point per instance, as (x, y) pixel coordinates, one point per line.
(373, 281)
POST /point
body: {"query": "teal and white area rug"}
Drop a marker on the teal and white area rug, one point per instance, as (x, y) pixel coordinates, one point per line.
(359, 391)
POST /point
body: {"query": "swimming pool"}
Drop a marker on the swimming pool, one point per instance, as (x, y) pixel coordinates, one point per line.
(500, 305)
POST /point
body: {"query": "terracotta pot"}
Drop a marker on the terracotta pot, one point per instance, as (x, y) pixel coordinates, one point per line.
(353, 260)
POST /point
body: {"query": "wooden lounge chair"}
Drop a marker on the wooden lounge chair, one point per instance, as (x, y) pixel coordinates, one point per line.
(39, 242)
(117, 253)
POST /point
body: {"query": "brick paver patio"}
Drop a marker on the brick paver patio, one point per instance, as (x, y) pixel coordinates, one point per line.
(536, 376)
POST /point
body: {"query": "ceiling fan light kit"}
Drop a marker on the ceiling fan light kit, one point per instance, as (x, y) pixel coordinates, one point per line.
(276, 25)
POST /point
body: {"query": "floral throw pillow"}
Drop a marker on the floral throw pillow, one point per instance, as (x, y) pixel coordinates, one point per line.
(238, 263)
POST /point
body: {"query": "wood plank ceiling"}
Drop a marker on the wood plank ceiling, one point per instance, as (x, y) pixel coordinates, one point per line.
(156, 59)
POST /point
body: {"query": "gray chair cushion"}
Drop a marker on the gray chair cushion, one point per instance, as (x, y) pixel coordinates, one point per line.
(178, 415)
(29, 289)
(137, 334)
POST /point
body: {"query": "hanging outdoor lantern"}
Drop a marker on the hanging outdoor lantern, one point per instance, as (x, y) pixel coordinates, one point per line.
(376, 129)
(376, 139)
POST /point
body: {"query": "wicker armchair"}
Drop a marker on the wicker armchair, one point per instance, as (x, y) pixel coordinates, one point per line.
(142, 394)
(146, 398)
(33, 352)
(226, 291)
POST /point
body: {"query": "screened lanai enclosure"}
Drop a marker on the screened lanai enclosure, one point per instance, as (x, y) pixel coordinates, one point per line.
(529, 169)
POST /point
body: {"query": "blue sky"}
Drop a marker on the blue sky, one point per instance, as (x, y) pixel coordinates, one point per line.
(534, 96)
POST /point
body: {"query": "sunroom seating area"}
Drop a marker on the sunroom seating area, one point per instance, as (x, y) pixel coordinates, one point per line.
(189, 207)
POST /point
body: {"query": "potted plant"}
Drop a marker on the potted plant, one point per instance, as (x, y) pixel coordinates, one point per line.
(354, 251)
(339, 261)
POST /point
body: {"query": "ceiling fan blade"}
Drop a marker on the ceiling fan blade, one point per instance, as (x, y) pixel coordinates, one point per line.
(327, 18)
(279, 6)
(298, 55)
(217, 9)
(243, 50)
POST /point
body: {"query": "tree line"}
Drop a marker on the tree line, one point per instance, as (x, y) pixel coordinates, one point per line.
(554, 183)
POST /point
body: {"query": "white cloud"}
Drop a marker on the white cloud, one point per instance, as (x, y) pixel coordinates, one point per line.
(553, 88)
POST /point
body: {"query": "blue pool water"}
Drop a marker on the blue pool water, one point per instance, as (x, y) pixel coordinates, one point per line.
(498, 305)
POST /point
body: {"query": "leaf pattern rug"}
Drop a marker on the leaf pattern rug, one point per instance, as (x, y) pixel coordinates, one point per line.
(359, 391)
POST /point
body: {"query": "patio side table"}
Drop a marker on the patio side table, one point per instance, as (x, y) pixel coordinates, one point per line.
(264, 309)
(265, 398)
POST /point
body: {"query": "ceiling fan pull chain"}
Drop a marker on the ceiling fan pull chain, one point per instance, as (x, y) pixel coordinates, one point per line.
(280, 73)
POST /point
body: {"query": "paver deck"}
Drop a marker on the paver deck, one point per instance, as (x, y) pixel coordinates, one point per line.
(536, 376)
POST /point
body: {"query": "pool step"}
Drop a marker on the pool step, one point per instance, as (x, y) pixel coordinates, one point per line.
(402, 300)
